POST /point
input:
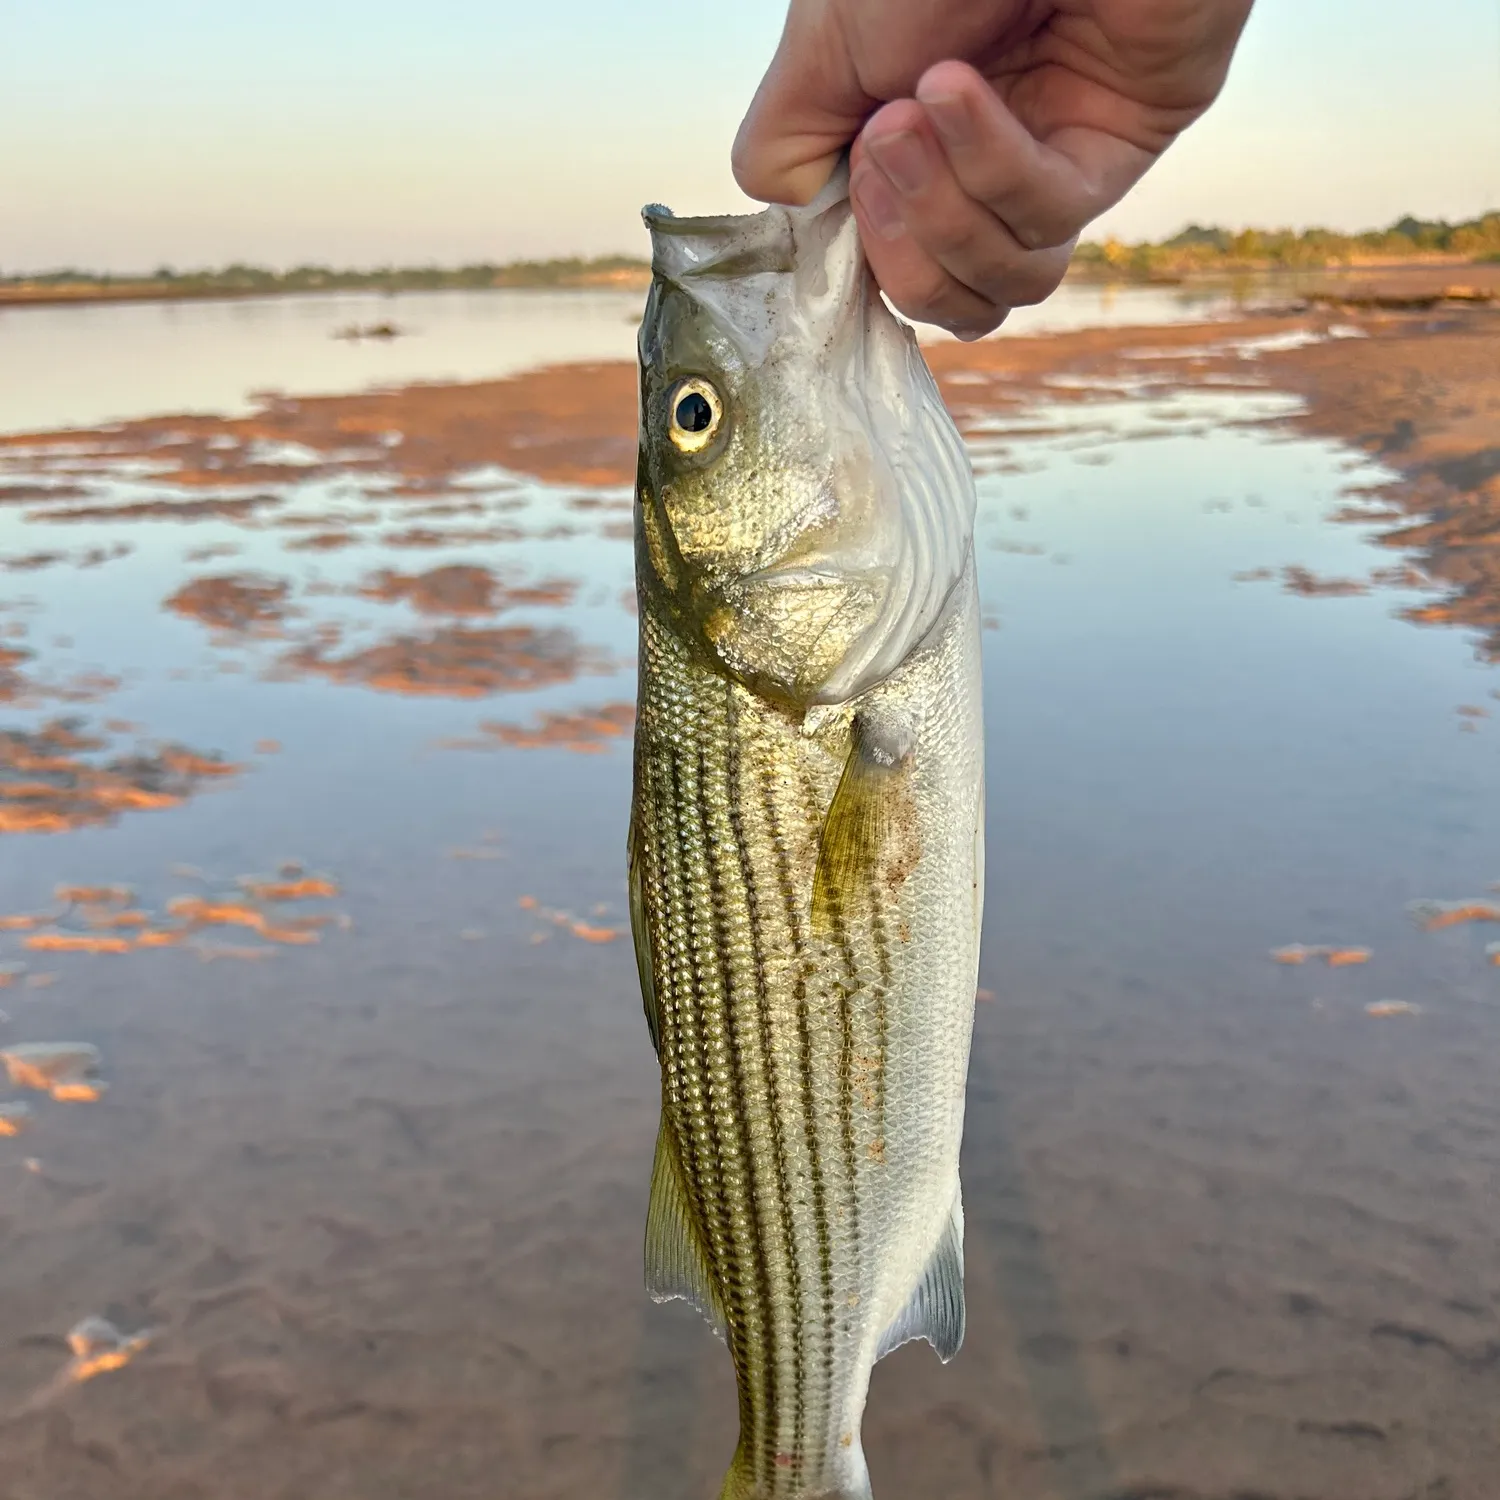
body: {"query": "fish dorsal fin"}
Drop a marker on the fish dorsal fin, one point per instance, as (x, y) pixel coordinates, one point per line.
(642, 936)
(676, 1267)
(870, 832)
(936, 1309)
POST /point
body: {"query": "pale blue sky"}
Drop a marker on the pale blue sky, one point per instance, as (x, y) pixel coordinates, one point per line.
(357, 131)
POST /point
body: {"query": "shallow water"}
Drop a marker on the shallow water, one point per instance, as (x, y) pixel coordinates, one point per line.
(66, 366)
(373, 1203)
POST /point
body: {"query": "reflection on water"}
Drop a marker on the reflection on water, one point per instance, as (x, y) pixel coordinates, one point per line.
(76, 366)
(462, 589)
(68, 1071)
(456, 662)
(371, 1199)
(588, 733)
(52, 778)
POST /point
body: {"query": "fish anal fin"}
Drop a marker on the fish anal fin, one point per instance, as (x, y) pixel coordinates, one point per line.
(642, 937)
(870, 836)
(936, 1309)
(676, 1266)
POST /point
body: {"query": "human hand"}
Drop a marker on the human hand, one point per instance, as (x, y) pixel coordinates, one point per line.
(986, 133)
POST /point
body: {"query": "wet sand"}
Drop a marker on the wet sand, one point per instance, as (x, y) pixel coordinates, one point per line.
(363, 1197)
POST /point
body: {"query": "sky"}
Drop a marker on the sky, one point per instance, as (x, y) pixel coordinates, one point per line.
(190, 133)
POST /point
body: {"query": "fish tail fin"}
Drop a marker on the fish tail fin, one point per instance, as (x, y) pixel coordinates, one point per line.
(851, 1482)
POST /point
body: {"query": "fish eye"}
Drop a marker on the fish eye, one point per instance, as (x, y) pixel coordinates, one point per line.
(697, 413)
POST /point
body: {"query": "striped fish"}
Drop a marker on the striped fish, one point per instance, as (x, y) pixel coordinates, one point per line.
(806, 858)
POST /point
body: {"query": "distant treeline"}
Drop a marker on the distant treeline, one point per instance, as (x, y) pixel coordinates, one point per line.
(1195, 249)
(243, 280)
(1198, 248)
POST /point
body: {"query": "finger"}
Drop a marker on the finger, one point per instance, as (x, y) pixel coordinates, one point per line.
(916, 284)
(959, 234)
(1043, 191)
(809, 106)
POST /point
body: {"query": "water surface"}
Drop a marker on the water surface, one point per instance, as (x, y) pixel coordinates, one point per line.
(66, 366)
(377, 1198)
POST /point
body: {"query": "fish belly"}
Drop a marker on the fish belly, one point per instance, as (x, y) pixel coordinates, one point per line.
(813, 1051)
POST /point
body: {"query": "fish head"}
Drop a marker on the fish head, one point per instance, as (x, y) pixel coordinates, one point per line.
(804, 503)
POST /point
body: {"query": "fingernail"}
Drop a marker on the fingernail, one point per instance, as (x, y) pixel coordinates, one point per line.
(882, 211)
(903, 158)
(949, 114)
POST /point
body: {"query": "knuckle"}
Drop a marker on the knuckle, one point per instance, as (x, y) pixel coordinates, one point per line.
(1027, 284)
(1036, 230)
(1020, 281)
(925, 293)
(957, 236)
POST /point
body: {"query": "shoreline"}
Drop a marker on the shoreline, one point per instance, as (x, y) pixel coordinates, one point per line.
(1428, 278)
(21, 298)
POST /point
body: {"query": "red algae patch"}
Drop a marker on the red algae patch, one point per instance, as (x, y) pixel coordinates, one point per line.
(588, 732)
(572, 424)
(14, 686)
(289, 888)
(223, 508)
(1432, 916)
(78, 942)
(17, 687)
(196, 911)
(458, 589)
(455, 662)
(94, 895)
(67, 1070)
(324, 541)
(89, 926)
(1298, 580)
(235, 603)
(1335, 958)
(26, 921)
(592, 934)
(557, 918)
(48, 783)
(40, 494)
(419, 538)
(89, 557)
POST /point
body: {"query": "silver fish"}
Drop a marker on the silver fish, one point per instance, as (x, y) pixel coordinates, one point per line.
(806, 845)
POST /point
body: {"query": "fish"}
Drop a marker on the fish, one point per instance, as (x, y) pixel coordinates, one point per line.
(806, 854)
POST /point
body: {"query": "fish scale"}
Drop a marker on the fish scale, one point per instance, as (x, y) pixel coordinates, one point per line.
(805, 849)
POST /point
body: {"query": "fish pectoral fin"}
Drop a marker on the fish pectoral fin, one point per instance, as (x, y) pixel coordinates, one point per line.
(870, 832)
(936, 1309)
(676, 1266)
(642, 937)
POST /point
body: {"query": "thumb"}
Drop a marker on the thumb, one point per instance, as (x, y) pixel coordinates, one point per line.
(808, 108)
